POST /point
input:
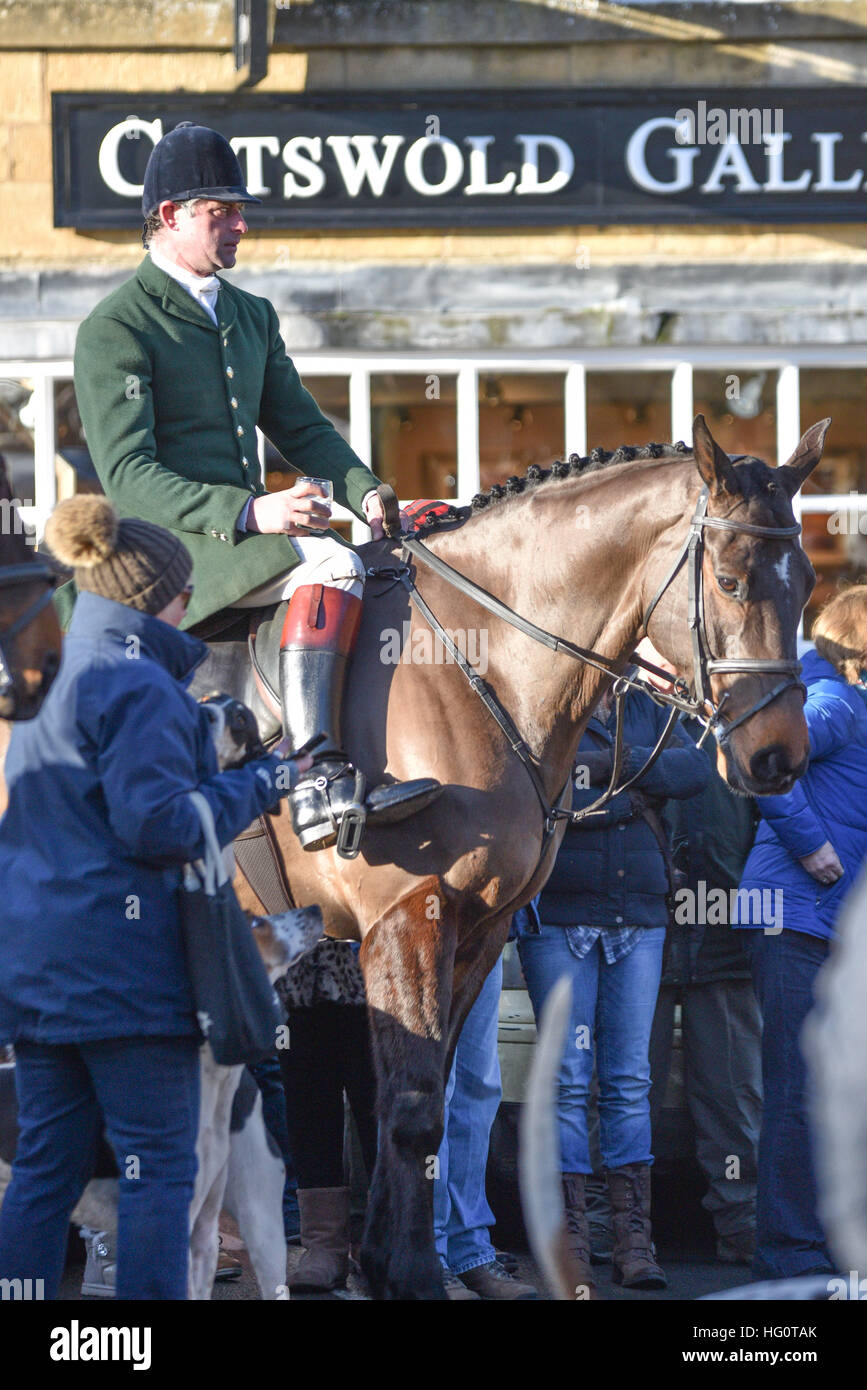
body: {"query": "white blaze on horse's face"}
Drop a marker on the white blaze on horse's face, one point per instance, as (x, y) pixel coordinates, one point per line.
(782, 568)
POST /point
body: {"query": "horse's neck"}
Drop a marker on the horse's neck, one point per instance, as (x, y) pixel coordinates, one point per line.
(567, 558)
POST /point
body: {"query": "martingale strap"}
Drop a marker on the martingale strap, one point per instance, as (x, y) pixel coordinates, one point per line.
(479, 686)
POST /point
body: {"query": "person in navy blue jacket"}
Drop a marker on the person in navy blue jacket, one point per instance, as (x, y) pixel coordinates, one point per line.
(603, 915)
(94, 991)
(809, 848)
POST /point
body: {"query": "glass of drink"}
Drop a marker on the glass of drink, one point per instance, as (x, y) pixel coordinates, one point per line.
(326, 488)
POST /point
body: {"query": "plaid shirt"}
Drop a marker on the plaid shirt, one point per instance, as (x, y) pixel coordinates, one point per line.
(617, 942)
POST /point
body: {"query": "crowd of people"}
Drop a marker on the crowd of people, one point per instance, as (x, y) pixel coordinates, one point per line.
(174, 372)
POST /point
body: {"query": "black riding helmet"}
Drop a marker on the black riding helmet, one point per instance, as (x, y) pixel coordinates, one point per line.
(192, 161)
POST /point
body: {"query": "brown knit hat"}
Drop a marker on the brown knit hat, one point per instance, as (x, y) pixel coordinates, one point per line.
(131, 561)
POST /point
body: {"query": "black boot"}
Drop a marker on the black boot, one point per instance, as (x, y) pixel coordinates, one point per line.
(331, 803)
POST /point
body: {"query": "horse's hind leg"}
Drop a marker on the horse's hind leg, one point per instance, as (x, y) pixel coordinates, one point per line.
(407, 961)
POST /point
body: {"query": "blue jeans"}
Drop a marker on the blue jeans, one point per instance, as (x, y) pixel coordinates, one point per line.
(612, 1009)
(790, 1239)
(146, 1090)
(461, 1212)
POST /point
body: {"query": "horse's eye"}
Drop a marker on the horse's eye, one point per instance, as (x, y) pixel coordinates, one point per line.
(728, 586)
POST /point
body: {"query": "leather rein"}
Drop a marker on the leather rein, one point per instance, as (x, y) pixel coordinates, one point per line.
(678, 701)
(34, 571)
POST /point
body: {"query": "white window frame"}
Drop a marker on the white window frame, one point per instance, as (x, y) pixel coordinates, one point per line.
(467, 367)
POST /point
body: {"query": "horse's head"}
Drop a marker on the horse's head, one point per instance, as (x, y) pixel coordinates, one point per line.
(747, 604)
(30, 637)
(30, 659)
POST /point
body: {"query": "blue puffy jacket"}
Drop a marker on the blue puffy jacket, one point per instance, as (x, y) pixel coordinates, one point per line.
(97, 828)
(828, 803)
(610, 870)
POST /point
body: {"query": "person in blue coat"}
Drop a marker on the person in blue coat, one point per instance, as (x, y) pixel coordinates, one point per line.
(809, 847)
(94, 991)
(602, 920)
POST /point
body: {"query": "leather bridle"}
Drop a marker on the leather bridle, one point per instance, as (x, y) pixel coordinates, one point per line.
(34, 571)
(680, 700)
(704, 665)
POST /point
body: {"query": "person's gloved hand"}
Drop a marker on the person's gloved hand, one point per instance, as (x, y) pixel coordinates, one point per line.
(593, 767)
(288, 772)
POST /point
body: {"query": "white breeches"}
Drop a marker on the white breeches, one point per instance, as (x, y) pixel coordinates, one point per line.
(323, 561)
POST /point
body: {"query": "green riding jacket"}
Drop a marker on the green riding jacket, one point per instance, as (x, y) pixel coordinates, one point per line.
(170, 403)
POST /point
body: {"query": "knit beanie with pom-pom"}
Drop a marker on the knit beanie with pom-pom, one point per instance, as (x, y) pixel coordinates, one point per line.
(131, 561)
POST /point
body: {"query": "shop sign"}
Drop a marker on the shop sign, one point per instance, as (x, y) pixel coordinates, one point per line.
(496, 158)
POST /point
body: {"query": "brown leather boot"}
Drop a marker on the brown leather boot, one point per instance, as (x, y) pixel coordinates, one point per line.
(634, 1257)
(332, 803)
(325, 1234)
(578, 1236)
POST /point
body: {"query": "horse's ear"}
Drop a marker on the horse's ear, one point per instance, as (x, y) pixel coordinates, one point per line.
(796, 470)
(712, 462)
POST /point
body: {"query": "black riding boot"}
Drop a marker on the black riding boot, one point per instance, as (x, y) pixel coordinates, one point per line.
(331, 803)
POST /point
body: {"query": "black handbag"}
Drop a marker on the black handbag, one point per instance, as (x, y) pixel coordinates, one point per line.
(236, 1007)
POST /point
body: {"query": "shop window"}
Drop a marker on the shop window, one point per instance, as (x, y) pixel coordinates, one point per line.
(839, 392)
(414, 433)
(521, 421)
(331, 394)
(628, 407)
(16, 435)
(836, 543)
(74, 466)
(740, 406)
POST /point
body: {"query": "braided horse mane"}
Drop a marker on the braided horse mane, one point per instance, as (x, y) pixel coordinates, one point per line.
(571, 467)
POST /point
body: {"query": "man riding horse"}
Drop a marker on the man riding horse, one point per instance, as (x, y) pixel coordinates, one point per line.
(173, 373)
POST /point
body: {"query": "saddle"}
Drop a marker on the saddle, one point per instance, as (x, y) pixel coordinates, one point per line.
(243, 662)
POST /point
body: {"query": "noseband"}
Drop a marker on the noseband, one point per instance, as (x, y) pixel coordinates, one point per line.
(32, 572)
(705, 665)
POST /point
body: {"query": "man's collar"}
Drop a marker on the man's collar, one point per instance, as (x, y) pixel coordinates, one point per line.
(184, 277)
(175, 299)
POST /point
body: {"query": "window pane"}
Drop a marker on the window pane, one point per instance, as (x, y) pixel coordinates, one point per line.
(740, 406)
(75, 470)
(837, 546)
(840, 392)
(414, 429)
(628, 407)
(16, 435)
(521, 421)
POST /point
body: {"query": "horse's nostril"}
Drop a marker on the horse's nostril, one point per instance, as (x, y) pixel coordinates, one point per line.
(770, 763)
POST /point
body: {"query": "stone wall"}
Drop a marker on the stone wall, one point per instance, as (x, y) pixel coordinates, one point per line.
(169, 45)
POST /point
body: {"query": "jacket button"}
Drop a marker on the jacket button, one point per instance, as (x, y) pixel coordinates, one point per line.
(229, 370)
(225, 342)
(234, 402)
(618, 919)
(620, 873)
(621, 827)
(239, 431)
(244, 462)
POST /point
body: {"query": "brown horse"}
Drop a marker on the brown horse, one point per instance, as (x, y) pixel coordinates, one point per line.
(30, 657)
(582, 551)
(29, 632)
